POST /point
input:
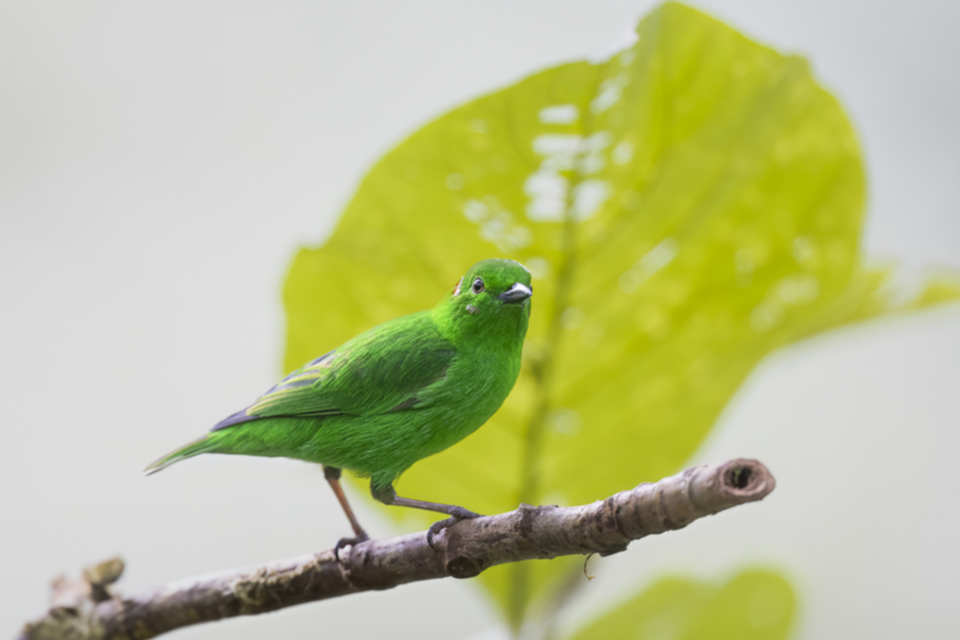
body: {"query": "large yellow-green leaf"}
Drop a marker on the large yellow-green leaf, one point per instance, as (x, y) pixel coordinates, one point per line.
(755, 605)
(686, 207)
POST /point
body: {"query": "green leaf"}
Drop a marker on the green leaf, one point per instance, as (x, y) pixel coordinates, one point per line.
(686, 207)
(755, 605)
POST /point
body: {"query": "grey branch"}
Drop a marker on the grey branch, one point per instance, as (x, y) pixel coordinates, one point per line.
(87, 609)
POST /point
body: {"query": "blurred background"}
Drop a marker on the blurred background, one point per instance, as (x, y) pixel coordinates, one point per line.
(161, 162)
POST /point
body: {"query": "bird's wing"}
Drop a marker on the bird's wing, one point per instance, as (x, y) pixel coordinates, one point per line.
(386, 369)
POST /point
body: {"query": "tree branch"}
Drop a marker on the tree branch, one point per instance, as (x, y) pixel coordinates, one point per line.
(86, 610)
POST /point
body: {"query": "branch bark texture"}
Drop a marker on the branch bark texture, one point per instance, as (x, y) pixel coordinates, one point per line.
(86, 609)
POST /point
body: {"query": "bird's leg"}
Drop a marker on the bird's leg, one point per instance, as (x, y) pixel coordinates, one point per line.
(387, 495)
(332, 474)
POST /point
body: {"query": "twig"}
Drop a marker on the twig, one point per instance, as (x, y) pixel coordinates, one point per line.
(85, 610)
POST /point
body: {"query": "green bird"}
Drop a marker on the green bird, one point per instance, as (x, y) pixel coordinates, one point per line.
(402, 391)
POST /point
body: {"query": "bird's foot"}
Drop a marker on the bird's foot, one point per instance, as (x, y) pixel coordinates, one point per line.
(348, 542)
(456, 515)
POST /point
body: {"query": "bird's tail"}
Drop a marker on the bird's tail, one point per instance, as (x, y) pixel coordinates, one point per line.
(196, 447)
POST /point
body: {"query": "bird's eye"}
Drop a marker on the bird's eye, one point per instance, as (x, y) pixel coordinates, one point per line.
(478, 286)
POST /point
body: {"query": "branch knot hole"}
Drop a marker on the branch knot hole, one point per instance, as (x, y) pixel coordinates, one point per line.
(739, 477)
(746, 479)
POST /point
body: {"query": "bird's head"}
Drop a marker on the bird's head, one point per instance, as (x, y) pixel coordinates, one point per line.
(493, 295)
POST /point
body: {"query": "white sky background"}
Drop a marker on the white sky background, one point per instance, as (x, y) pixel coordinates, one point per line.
(161, 161)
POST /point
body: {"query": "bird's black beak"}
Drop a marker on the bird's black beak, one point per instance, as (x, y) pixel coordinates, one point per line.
(516, 294)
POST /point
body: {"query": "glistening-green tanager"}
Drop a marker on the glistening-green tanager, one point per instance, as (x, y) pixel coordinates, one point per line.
(402, 391)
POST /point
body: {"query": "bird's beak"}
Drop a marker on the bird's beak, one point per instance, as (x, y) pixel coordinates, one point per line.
(516, 294)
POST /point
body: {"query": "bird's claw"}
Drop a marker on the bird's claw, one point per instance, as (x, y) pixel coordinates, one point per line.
(457, 515)
(347, 542)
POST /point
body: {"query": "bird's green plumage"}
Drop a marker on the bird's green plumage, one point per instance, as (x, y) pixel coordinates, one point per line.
(397, 393)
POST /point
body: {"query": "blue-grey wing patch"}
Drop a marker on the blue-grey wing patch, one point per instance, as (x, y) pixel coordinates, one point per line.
(236, 418)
